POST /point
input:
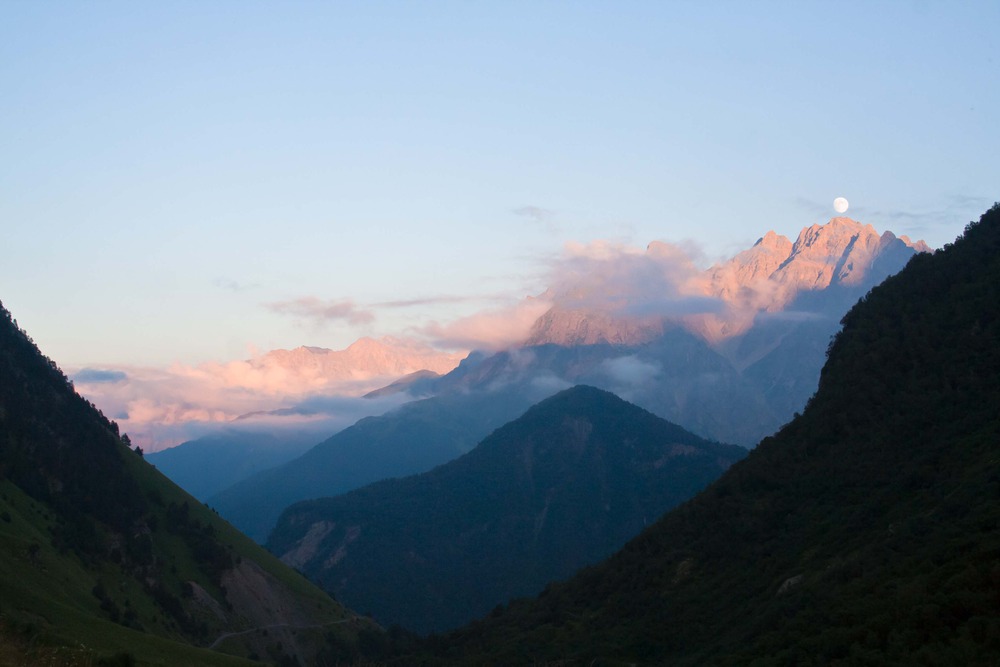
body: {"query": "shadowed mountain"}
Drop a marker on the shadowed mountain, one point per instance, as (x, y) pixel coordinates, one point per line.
(677, 376)
(867, 531)
(560, 487)
(103, 558)
(409, 440)
(736, 374)
(416, 384)
(205, 466)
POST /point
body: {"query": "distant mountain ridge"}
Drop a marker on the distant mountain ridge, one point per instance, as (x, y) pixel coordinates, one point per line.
(560, 487)
(737, 390)
(413, 438)
(205, 466)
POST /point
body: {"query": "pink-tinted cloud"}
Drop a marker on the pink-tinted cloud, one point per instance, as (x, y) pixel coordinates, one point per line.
(613, 278)
(163, 407)
(494, 329)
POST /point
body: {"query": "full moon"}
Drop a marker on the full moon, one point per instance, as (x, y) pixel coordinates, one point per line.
(840, 205)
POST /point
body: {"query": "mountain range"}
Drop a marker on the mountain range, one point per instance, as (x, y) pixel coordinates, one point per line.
(734, 389)
(414, 438)
(866, 531)
(195, 465)
(561, 487)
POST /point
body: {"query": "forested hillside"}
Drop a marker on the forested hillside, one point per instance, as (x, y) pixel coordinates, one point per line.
(867, 531)
(103, 558)
(562, 486)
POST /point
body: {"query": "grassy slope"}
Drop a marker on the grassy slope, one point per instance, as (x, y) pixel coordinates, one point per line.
(46, 599)
(92, 551)
(47, 595)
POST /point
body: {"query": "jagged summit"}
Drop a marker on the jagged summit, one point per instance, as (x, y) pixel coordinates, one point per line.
(727, 297)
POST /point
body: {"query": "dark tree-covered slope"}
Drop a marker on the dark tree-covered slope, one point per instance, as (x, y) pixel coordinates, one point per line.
(102, 557)
(563, 486)
(867, 531)
(412, 439)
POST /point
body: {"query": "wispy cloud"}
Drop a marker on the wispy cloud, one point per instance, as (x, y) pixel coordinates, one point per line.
(536, 213)
(663, 280)
(320, 312)
(234, 285)
(162, 407)
(438, 300)
(813, 207)
(630, 370)
(955, 208)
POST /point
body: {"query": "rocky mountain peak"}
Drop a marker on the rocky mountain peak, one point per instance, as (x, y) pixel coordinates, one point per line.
(774, 241)
(765, 277)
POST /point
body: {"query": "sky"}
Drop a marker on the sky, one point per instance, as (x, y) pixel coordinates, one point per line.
(199, 182)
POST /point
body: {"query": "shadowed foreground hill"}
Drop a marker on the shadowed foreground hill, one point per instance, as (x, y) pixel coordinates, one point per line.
(103, 558)
(563, 486)
(866, 532)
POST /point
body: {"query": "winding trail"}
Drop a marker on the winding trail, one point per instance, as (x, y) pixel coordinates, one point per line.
(226, 635)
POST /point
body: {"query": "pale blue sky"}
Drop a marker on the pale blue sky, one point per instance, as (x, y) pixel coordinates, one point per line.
(168, 169)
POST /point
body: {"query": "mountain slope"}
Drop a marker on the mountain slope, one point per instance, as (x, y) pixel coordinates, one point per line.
(206, 466)
(560, 487)
(97, 548)
(738, 390)
(764, 278)
(866, 532)
(737, 371)
(406, 441)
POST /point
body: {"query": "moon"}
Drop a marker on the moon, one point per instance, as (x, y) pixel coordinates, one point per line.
(840, 205)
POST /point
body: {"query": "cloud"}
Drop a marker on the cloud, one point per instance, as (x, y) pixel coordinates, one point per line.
(438, 299)
(536, 213)
(630, 370)
(549, 383)
(160, 408)
(493, 329)
(815, 208)
(233, 285)
(98, 376)
(663, 280)
(952, 211)
(321, 312)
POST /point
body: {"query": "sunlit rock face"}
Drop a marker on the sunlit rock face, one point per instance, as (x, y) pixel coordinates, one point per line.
(585, 327)
(724, 300)
(749, 267)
